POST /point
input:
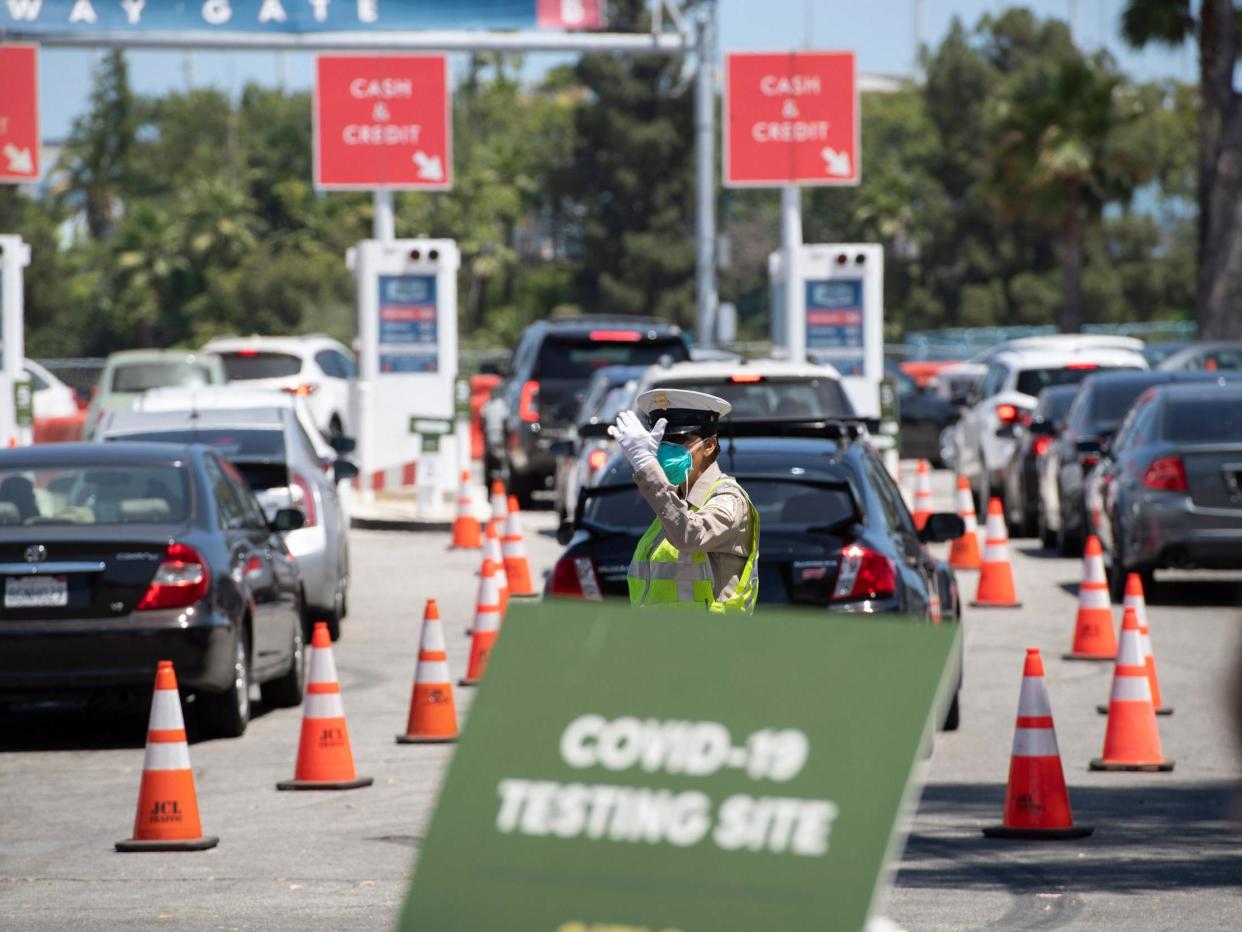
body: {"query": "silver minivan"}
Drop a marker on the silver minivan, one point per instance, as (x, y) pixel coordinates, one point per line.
(273, 453)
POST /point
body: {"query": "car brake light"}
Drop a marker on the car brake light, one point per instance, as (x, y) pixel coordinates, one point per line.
(574, 578)
(306, 388)
(304, 498)
(1086, 460)
(247, 352)
(616, 336)
(1083, 365)
(1041, 445)
(1007, 413)
(746, 377)
(179, 581)
(1167, 474)
(864, 574)
(528, 404)
(596, 459)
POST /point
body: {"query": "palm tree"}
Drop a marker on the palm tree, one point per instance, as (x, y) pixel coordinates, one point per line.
(1063, 151)
(1172, 23)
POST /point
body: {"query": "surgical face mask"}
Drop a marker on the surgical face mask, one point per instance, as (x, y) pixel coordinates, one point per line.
(676, 461)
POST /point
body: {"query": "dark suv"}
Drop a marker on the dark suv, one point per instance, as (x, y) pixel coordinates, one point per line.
(553, 363)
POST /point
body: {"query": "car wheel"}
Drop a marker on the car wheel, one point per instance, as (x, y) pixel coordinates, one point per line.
(1117, 580)
(286, 690)
(521, 486)
(1047, 536)
(983, 489)
(225, 714)
(954, 718)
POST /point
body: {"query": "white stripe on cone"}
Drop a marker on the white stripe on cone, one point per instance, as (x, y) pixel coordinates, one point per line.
(1033, 698)
(166, 755)
(166, 711)
(322, 666)
(1094, 598)
(1035, 742)
(966, 510)
(323, 705)
(1093, 569)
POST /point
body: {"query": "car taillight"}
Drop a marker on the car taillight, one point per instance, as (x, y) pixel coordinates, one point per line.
(181, 580)
(303, 390)
(1007, 413)
(1041, 445)
(1083, 365)
(248, 353)
(574, 578)
(528, 404)
(304, 498)
(746, 377)
(864, 574)
(596, 459)
(1167, 474)
(616, 336)
(1087, 460)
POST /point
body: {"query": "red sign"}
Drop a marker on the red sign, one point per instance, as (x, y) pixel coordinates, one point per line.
(19, 114)
(383, 122)
(570, 14)
(790, 118)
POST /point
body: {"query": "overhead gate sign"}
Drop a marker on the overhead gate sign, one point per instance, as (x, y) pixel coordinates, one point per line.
(19, 114)
(791, 118)
(383, 122)
(34, 18)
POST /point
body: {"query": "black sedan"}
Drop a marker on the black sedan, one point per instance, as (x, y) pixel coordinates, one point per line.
(113, 557)
(834, 531)
(924, 416)
(1022, 473)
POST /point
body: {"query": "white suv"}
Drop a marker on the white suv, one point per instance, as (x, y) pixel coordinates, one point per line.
(984, 439)
(316, 367)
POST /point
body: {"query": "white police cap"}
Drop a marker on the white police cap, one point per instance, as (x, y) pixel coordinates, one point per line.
(686, 411)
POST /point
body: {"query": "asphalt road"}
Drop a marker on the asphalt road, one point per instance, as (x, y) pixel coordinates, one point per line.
(1165, 854)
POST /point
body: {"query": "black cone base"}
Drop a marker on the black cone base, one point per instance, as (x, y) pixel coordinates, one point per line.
(324, 784)
(977, 604)
(1090, 658)
(412, 739)
(1163, 710)
(190, 844)
(1163, 767)
(1038, 834)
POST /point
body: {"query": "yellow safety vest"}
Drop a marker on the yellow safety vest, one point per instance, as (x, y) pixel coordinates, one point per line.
(661, 575)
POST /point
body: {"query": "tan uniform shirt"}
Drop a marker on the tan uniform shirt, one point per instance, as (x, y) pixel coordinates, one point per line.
(720, 528)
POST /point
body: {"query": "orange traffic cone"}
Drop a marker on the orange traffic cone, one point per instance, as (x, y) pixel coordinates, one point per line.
(996, 577)
(492, 551)
(1036, 802)
(964, 551)
(513, 547)
(486, 626)
(325, 761)
(1094, 638)
(500, 506)
(1135, 599)
(1131, 739)
(922, 496)
(466, 532)
(167, 816)
(433, 713)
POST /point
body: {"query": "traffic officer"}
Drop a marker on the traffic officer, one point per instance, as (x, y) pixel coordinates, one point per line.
(703, 546)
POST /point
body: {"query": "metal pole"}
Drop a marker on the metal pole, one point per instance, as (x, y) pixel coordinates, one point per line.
(384, 223)
(791, 249)
(705, 152)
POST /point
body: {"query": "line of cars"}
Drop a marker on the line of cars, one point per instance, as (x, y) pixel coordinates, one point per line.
(1148, 460)
(203, 524)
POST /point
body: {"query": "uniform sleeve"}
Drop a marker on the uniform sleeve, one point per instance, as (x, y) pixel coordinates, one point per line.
(722, 525)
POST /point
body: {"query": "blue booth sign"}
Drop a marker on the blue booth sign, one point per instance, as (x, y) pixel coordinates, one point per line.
(834, 323)
(32, 18)
(408, 327)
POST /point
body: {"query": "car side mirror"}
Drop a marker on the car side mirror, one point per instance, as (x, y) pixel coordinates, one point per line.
(343, 470)
(288, 519)
(562, 448)
(343, 445)
(1041, 427)
(564, 532)
(594, 430)
(1090, 446)
(494, 368)
(942, 526)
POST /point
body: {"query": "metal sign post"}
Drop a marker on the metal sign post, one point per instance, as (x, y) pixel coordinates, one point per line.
(14, 257)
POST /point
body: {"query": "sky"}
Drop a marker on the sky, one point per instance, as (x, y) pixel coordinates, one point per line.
(883, 37)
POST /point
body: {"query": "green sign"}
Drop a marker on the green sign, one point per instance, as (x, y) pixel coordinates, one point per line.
(890, 408)
(430, 431)
(23, 403)
(461, 398)
(663, 770)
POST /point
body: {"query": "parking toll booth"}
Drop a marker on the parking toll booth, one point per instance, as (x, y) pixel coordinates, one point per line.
(836, 316)
(16, 409)
(407, 332)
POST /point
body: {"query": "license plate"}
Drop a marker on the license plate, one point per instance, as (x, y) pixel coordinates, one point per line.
(36, 592)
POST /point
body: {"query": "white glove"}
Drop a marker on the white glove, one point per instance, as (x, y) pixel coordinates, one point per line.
(637, 443)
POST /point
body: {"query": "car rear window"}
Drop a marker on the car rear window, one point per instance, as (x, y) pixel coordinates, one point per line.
(782, 505)
(1034, 381)
(775, 398)
(1055, 405)
(576, 358)
(141, 376)
(1203, 420)
(1111, 400)
(245, 365)
(113, 494)
(231, 444)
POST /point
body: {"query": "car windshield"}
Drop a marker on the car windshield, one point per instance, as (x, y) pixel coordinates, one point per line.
(782, 505)
(1053, 406)
(1201, 420)
(1034, 381)
(245, 365)
(774, 398)
(231, 444)
(575, 359)
(141, 376)
(114, 494)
